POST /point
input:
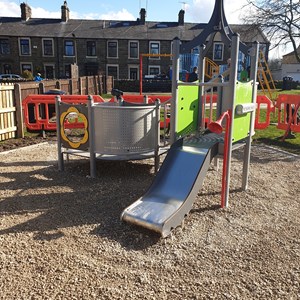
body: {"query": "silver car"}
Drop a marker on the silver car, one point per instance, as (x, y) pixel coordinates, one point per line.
(10, 76)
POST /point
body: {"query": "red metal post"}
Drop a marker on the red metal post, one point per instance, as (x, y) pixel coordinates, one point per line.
(141, 74)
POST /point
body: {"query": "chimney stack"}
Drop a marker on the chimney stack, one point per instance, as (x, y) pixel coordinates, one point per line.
(143, 16)
(65, 12)
(181, 17)
(25, 11)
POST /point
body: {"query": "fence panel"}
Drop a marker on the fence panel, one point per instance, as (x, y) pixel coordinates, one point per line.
(8, 125)
(29, 88)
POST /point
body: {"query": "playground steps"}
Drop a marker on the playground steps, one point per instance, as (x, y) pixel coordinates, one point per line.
(265, 78)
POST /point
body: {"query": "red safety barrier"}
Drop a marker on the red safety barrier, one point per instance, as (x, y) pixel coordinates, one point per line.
(140, 98)
(39, 110)
(288, 108)
(211, 97)
(264, 102)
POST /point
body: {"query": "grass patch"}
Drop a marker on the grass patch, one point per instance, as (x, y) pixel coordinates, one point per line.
(272, 136)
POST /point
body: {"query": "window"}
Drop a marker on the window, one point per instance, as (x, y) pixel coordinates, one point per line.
(49, 71)
(48, 47)
(4, 46)
(69, 48)
(26, 67)
(154, 49)
(91, 48)
(154, 70)
(67, 71)
(113, 70)
(218, 51)
(112, 49)
(7, 69)
(133, 72)
(24, 46)
(133, 49)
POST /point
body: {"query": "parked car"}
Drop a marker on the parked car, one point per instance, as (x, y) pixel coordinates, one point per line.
(11, 76)
(157, 76)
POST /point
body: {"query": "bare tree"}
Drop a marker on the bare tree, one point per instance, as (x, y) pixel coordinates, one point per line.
(279, 20)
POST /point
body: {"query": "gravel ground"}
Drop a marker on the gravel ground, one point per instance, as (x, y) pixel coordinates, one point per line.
(61, 236)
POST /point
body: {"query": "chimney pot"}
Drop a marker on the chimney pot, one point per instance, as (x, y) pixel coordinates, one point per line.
(143, 16)
(25, 11)
(65, 12)
(181, 17)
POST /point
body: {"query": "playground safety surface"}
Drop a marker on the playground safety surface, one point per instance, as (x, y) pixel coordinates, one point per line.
(61, 237)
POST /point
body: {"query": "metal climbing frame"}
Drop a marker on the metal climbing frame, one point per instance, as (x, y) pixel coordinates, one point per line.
(227, 101)
(110, 132)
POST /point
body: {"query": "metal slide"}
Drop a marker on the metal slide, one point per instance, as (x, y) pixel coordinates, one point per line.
(174, 189)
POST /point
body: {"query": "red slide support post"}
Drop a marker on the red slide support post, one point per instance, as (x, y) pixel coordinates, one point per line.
(216, 127)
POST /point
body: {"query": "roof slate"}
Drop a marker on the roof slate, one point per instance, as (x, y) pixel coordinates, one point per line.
(103, 29)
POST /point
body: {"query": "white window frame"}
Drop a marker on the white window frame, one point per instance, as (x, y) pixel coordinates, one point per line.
(153, 66)
(138, 49)
(74, 48)
(154, 42)
(218, 58)
(91, 56)
(26, 63)
(49, 65)
(113, 65)
(47, 39)
(65, 68)
(134, 67)
(8, 48)
(20, 52)
(115, 41)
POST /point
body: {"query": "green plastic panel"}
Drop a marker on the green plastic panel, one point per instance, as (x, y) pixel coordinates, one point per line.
(187, 110)
(241, 123)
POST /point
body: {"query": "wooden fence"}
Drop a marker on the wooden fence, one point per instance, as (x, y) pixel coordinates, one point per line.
(12, 95)
(10, 113)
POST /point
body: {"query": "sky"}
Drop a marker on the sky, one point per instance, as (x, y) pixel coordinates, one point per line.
(198, 11)
(157, 10)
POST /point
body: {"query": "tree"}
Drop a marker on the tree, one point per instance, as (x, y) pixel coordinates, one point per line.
(278, 19)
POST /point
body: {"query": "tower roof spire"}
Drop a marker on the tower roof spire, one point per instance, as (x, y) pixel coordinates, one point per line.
(217, 23)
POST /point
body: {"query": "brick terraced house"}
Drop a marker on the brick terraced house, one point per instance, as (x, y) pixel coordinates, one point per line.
(52, 46)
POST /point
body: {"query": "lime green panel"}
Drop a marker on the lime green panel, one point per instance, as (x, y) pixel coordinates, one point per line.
(241, 124)
(187, 110)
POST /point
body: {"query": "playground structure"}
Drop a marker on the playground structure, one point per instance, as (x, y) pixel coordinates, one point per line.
(171, 195)
(111, 131)
(128, 128)
(173, 191)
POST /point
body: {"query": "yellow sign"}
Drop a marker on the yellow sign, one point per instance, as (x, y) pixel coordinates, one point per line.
(83, 119)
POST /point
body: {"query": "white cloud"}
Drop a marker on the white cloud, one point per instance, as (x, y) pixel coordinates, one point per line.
(200, 11)
(119, 15)
(38, 12)
(112, 15)
(9, 9)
